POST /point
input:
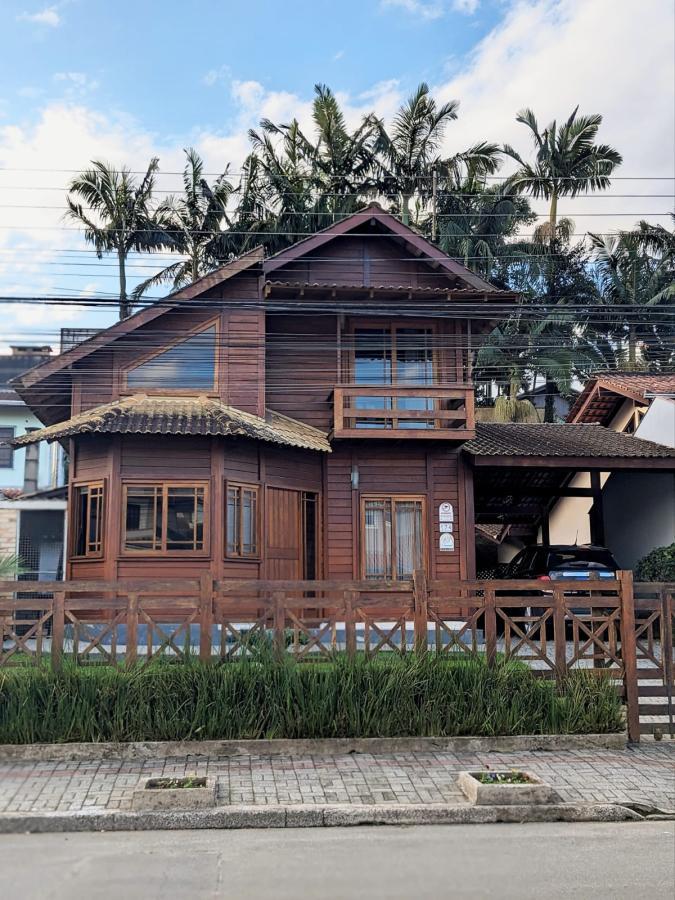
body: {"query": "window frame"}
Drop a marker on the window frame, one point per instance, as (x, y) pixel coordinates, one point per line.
(125, 389)
(392, 326)
(11, 434)
(393, 498)
(165, 484)
(75, 514)
(247, 486)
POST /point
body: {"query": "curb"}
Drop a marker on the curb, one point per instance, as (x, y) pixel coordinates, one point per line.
(313, 817)
(322, 746)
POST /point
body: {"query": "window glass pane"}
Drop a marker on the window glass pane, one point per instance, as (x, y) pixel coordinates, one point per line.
(82, 501)
(309, 514)
(185, 518)
(414, 365)
(95, 513)
(248, 546)
(377, 538)
(143, 518)
(408, 537)
(190, 364)
(372, 356)
(233, 536)
(6, 453)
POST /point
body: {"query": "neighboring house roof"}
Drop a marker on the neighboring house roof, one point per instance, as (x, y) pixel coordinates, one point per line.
(202, 415)
(548, 440)
(603, 394)
(13, 365)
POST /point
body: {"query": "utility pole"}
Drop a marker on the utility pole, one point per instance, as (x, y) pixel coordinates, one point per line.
(434, 209)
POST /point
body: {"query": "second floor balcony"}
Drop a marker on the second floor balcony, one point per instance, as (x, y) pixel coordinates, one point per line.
(404, 411)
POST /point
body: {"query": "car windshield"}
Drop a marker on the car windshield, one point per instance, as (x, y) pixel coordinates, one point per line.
(581, 557)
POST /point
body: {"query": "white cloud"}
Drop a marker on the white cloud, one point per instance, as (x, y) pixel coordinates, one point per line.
(423, 9)
(552, 55)
(76, 82)
(217, 76)
(338, 55)
(429, 10)
(48, 16)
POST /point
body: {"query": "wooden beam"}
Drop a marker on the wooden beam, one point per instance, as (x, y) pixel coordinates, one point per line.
(522, 490)
(596, 512)
(576, 463)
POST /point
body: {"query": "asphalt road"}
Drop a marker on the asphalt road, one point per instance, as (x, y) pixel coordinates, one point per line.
(615, 861)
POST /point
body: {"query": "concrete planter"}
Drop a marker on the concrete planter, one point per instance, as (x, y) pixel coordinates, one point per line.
(535, 791)
(151, 797)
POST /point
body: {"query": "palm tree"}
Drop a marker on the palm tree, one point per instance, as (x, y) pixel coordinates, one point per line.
(192, 225)
(476, 222)
(10, 566)
(568, 162)
(116, 214)
(409, 151)
(339, 162)
(630, 276)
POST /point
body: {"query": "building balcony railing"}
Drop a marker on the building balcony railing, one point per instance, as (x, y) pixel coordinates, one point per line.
(404, 411)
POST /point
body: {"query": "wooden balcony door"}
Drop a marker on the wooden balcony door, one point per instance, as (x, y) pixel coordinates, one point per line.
(291, 534)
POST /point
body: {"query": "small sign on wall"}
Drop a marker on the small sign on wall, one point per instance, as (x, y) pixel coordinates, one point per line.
(445, 527)
(445, 512)
(446, 542)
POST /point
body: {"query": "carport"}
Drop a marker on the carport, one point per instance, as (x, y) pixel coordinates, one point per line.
(519, 471)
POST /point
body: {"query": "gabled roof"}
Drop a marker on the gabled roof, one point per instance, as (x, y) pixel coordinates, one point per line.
(374, 212)
(202, 415)
(604, 393)
(143, 316)
(561, 441)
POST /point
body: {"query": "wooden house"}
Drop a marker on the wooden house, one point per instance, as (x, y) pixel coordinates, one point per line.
(303, 416)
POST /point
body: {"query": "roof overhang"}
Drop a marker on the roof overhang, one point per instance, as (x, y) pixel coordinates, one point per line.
(573, 463)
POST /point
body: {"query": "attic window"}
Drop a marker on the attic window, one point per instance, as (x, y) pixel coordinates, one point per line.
(188, 365)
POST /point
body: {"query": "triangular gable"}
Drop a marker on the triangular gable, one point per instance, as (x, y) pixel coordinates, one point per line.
(419, 246)
(142, 317)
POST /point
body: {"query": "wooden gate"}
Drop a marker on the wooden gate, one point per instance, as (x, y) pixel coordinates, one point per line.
(654, 627)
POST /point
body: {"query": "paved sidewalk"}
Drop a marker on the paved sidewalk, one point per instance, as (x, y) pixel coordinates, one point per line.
(645, 774)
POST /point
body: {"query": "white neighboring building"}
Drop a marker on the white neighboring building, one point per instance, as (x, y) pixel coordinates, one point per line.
(32, 480)
(638, 507)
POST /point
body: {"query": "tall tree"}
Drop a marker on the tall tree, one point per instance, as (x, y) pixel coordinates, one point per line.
(638, 282)
(115, 210)
(191, 225)
(409, 150)
(567, 161)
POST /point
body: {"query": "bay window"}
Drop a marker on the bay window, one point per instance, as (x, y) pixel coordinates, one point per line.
(164, 518)
(242, 520)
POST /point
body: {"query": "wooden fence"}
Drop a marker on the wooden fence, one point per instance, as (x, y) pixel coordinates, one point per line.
(554, 628)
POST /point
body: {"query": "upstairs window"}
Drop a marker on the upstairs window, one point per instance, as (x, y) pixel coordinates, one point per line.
(393, 543)
(164, 518)
(188, 365)
(88, 519)
(242, 520)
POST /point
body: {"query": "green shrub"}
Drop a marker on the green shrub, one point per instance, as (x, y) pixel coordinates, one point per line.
(414, 695)
(659, 565)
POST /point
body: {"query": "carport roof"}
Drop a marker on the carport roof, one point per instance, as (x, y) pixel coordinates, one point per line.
(574, 446)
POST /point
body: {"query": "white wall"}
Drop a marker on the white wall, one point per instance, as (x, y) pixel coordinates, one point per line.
(658, 423)
(20, 418)
(639, 512)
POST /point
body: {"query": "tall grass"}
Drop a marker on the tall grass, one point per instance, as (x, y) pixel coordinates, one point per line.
(414, 695)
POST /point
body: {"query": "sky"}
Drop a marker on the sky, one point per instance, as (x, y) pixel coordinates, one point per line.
(124, 81)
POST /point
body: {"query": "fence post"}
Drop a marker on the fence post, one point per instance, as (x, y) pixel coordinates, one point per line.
(58, 628)
(132, 630)
(205, 615)
(490, 626)
(350, 600)
(559, 636)
(279, 623)
(421, 615)
(629, 654)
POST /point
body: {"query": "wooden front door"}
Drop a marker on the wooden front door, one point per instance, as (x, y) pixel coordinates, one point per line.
(290, 534)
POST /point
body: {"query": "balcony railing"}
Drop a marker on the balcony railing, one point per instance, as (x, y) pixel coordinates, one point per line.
(404, 411)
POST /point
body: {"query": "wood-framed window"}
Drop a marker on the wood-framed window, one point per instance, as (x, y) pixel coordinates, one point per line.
(165, 518)
(6, 452)
(87, 522)
(393, 536)
(242, 520)
(185, 365)
(400, 355)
